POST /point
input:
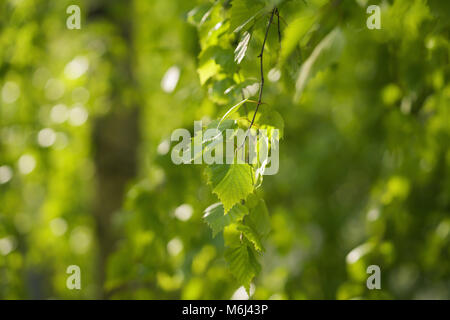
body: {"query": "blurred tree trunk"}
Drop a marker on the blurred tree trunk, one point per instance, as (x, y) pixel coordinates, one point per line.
(115, 135)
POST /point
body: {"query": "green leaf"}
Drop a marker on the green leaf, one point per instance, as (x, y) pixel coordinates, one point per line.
(216, 218)
(271, 119)
(294, 33)
(207, 70)
(242, 47)
(209, 144)
(231, 236)
(326, 52)
(243, 12)
(252, 200)
(259, 219)
(243, 264)
(231, 182)
(216, 172)
(232, 110)
(251, 236)
(213, 60)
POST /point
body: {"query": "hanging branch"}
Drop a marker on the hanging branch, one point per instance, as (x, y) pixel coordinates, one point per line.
(261, 86)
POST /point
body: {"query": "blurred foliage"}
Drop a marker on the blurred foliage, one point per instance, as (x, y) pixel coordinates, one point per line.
(364, 162)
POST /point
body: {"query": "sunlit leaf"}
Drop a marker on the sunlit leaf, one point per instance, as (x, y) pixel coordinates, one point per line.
(252, 236)
(231, 182)
(218, 220)
(259, 219)
(243, 264)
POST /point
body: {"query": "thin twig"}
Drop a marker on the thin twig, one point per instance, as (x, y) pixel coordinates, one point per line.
(261, 86)
(278, 25)
(261, 54)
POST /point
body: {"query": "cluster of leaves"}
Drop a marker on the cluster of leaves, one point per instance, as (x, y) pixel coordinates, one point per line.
(241, 214)
(230, 32)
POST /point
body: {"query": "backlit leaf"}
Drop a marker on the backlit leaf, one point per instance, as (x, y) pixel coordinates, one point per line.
(218, 220)
(231, 183)
(243, 264)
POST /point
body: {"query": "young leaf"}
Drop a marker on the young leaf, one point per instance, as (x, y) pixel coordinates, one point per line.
(231, 183)
(252, 236)
(243, 264)
(218, 220)
(259, 219)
